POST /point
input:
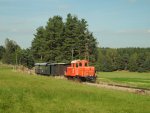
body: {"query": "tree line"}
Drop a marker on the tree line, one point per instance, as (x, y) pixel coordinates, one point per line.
(63, 41)
(131, 59)
(11, 53)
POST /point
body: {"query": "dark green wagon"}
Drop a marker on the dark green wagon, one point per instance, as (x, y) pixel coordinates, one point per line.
(53, 69)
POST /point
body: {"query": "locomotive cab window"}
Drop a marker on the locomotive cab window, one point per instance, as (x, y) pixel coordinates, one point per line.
(73, 65)
(76, 64)
(80, 64)
(86, 64)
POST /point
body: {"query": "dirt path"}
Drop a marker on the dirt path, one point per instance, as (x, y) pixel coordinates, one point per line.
(122, 88)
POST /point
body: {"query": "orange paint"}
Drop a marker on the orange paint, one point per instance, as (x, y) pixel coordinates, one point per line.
(80, 68)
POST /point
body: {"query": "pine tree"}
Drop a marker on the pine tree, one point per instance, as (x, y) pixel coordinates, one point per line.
(2, 51)
(59, 41)
(133, 66)
(10, 55)
(38, 44)
(54, 39)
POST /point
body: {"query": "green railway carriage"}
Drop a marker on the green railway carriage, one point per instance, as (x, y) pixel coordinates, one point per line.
(53, 69)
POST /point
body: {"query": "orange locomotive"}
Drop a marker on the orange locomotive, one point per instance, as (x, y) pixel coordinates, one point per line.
(81, 70)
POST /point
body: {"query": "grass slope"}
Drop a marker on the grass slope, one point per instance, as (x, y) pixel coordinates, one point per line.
(135, 79)
(22, 93)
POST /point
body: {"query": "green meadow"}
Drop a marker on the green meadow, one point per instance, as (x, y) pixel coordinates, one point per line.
(134, 79)
(24, 93)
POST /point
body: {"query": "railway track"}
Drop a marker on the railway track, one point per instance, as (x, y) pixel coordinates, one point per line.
(132, 89)
(121, 87)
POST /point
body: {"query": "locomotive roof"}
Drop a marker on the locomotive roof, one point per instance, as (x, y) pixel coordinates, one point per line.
(75, 61)
(36, 64)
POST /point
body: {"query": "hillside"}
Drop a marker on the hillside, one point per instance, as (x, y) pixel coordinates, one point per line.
(39, 94)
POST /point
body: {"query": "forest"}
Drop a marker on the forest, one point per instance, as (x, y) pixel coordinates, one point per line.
(63, 41)
(131, 59)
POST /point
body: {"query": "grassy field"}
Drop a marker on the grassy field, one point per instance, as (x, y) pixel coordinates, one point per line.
(134, 79)
(22, 93)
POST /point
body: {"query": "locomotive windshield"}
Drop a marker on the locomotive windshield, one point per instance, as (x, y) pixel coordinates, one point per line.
(77, 65)
(86, 64)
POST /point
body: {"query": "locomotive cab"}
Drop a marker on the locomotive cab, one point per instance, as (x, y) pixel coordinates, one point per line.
(81, 69)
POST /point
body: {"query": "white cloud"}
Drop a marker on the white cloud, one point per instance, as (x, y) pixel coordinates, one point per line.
(148, 30)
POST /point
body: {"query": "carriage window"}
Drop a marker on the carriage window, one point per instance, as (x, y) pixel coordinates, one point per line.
(80, 64)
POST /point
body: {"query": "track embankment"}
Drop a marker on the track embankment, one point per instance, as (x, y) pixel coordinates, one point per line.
(136, 90)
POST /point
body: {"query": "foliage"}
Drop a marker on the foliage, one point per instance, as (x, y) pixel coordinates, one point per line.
(2, 51)
(22, 93)
(13, 54)
(58, 41)
(10, 54)
(26, 58)
(132, 59)
(38, 44)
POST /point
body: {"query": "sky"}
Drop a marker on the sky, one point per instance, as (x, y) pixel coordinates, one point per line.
(114, 23)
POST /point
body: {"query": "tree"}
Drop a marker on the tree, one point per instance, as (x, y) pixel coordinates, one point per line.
(58, 41)
(133, 66)
(72, 36)
(54, 39)
(2, 51)
(100, 60)
(146, 64)
(26, 58)
(140, 61)
(79, 39)
(132, 59)
(9, 57)
(38, 44)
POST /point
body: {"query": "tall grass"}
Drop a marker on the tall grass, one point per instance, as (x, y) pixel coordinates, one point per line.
(22, 93)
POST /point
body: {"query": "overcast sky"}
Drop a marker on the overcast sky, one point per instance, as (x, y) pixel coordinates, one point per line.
(115, 23)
